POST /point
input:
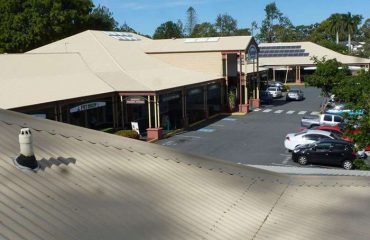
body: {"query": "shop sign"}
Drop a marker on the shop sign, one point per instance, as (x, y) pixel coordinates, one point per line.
(252, 53)
(135, 127)
(135, 100)
(87, 106)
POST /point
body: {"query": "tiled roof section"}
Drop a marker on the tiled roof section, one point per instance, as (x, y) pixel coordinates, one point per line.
(124, 189)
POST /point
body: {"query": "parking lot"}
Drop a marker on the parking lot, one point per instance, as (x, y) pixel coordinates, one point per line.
(256, 138)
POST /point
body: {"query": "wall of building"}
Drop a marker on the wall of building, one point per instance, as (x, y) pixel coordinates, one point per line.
(207, 62)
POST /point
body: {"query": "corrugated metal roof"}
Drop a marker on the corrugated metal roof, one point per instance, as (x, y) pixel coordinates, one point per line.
(28, 79)
(123, 65)
(232, 43)
(98, 186)
(313, 49)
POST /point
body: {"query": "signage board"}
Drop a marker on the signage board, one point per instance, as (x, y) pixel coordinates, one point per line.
(135, 100)
(135, 127)
(87, 106)
(252, 53)
(39, 115)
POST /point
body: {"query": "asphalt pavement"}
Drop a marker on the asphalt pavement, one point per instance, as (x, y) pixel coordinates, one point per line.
(256, 138)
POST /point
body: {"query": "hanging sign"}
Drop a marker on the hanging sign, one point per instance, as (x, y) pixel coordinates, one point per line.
(135, 100)
(87, 106)
(252, 53)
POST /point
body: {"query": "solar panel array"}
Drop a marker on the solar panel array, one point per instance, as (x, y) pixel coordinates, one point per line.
(122, 36)
(283, 51)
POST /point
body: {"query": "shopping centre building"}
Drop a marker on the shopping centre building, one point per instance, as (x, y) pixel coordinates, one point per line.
(99, 79)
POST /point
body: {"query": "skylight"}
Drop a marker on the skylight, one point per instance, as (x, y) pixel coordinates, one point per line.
(122, 36)
(202, 40)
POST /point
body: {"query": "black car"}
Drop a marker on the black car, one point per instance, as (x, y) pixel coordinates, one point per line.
(326, 152)
(266, 97)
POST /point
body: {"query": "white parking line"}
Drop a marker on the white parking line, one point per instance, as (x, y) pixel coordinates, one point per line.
(257, 109)
(290, 112)
(315, 113)
(279, 111)
(302, 112)
(267, 110)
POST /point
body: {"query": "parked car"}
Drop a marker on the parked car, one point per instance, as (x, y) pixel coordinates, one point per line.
(354, 132)
(275, 84)
(266, 97)
(333, 129)
(274, 91)
(327, 152)
(295, 94)
(292, 140)
(310, 121)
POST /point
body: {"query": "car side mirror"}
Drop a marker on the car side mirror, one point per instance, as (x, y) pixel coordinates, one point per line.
(313, 148)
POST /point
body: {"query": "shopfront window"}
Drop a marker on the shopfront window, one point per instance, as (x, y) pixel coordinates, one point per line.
(171, 110)
(95, 114)
(214, 98)
(195, 104)
(46, 113)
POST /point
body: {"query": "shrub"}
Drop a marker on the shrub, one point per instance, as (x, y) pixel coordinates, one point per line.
(361, 164)
(128, 133)
(285, 88)
(232, 100)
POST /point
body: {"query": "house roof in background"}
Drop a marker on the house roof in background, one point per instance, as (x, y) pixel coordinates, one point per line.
(93, 185)
(233, 43)
(28, 79)
(122, 64)
(313, 49)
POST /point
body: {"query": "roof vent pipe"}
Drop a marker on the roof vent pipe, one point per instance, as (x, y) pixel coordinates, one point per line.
(26, 160)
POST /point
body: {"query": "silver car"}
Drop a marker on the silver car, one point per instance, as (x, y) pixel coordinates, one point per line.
(274, 91)
(295, 94)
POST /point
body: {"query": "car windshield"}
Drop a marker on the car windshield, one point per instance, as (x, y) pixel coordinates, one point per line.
(335, 136)
(271, 89)
(294, 91)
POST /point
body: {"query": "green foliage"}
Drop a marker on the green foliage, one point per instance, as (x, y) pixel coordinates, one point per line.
(128, 133)
(232, 100)
(168, 30)
(275, 27)
(333, 46)
(285, 88)
(327, 75)
(205, 29)
(191, 20)
(28, 24)
(225, 25)
(360, 164)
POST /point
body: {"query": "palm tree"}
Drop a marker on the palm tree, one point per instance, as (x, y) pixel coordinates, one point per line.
(350, 25)
(336, 25)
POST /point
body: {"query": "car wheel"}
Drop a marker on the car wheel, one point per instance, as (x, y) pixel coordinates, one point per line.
(347, 164)
(302, 160)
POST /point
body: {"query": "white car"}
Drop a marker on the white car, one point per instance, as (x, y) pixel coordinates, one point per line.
(292, 140)
(274, 91)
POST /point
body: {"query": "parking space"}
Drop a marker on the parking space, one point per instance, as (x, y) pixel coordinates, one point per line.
(256, 138)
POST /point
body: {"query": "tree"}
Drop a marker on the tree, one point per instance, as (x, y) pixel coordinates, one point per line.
(205, 29)
(225, 25)
(327, 75)
(242, 32)
(336, 25)
(254, 26)
(28, 24)
(168, 30)
(102, 18)
(351, 23)
(126, 28)
(275, 27)
(191, 20)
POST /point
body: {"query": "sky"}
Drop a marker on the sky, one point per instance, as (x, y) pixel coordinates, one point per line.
(146, 15)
